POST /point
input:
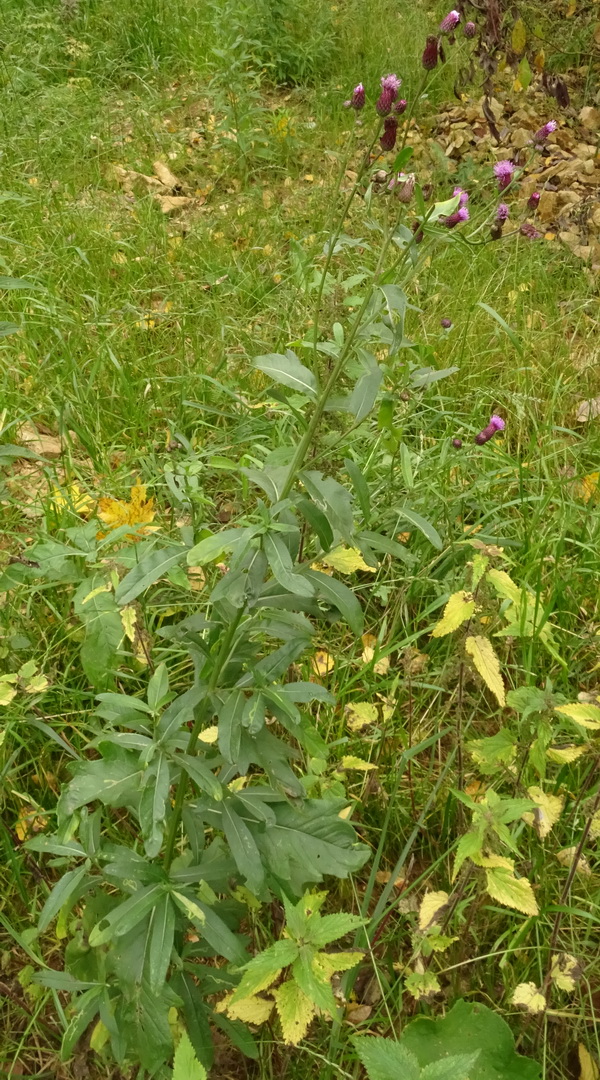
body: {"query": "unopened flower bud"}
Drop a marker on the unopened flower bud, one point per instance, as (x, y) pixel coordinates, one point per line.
(534, 200)
(530, 231)
(430, 53)
(357, 101)
(469, 29)
(457, 444)
(543, 133)
(400, 107)
(446, 323)
(403, 187)
(450, 22)
(390, 131)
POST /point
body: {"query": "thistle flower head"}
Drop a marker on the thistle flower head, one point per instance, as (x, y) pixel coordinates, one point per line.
(390, 130)
(457, 444)
(503, 171)
(543, 133)
(464, 196)
(457, 218)
(530, 231)
(400, 107)
(502, 212)
(390, 85)
(391, 82)
(469, 29)
(429, 58)
(496, 424)
(450, 22)
(357, 101)
(446, 323)
(534, 200)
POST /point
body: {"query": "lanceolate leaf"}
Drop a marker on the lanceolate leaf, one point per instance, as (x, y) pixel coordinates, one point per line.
(243, 848)
(85, 1009)
(282, 566)
(153, 805)
(148, 570)
(422, 524)
(340, 596)
(161, 932)
(289, 371)
(67, 886)
(127, 915)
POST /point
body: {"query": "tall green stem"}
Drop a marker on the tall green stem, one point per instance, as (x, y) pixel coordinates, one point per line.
(192, 747)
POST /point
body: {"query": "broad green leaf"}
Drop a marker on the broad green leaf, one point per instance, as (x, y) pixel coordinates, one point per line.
(312, 983)
(498, 749)
(114, 780)
(453, 1067)
(243, 848)
(361, 489)
(587, 716)
(201, 775)
(340, 596)
(185, 1063)
(288, 370)
(310, 841)
(282, 567)
(230, 725)
(212, 547)
(65, 887)
(385, 1059)
(482, 653)
(460, 607)
(443, 209)
(148, 570)
(318, 520)
(295, 1011)
(465, 1029)
(264, 968)
(524, 74)
(421, 523)
(364, 394)
(160, 943)
(158, 688)
(513, 892)
(194, 1015)
(126, 916)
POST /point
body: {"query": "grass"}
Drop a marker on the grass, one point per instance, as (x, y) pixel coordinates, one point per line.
(136, 350)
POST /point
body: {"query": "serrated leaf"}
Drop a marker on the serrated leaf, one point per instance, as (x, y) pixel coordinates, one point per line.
(347, 561)
(510, 891)
(453, 1067)
(288, 370)
(360, 714)
(185, 1063)
(498, 749)
(460, 607)
(326, 964)
(519, 37)
(565, 971)
(562, 755)
(547, 812)
(529, 997)
(251, 1010)
(351, 762)
(431, 907)
(264, 968)
(422, 984)
(588, 716)
(481, 651)
(385, 1059)
(322, 930)
(295, 1011)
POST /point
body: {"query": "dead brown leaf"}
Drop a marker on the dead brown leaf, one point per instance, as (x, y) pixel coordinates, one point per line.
(170, 203)
(168, 178)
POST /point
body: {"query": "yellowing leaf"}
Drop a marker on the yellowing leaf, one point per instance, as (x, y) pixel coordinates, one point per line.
(72, 498)
(547, 812)
(322, 663)
(209, 735)
(431, 907)
(295, 1011)
(7, 691)
(460, 607)
(29, 821)
(381, 666)
(99, 1037)
(422, 985)
(36, 684)
(566, 856)
(485, 660)
(571, 8)
(529, 997)
(139, 511)
(191, 908)
(565, 971)
(504, 585)
(250, 1010)
(562, 755)
(128, 622)
(347, 561)
(595, 826)
(587, 488)
(539, 60)
(490, 861)
(196, 577)
(519, 37)
(326, 964)
(440, 942)
(587, 1065)
(510, 891)
(350, 762)
(360, 714)
(586, 715)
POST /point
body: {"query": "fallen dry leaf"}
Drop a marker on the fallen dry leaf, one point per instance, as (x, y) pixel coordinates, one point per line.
(139, 511)
(170, 203)
(381, 666)
(322, 663)
(587, 410)
(168, 178)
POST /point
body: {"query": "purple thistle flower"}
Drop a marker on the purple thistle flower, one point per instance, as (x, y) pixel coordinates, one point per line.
(543, 133)
(357, 101)
(390, 130)
(430, 53)
(457, 218)
(446, 323)
(450, 22)
(470, 30)
(464, 196)
(496, 424)
(457, 444)
(400, 107)
(503, 171)
(390, 85)
(502, 212)
(530, 231)
(534, 200)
